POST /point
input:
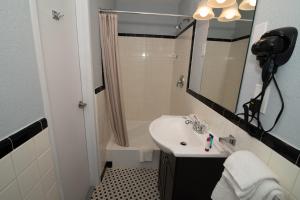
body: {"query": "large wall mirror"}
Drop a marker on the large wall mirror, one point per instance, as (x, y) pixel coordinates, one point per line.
(220, 77)
(218, 59)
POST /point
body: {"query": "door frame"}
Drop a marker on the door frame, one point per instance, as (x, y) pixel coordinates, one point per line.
(86, 69)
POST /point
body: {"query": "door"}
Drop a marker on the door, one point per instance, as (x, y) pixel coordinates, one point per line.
(60, 50)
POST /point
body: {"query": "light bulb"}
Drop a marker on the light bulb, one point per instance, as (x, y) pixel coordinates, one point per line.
(220, 1)
(252, 3)
(229, 15)
(203, 12)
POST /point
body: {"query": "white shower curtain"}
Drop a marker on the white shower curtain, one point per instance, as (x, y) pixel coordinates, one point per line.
(111, 66)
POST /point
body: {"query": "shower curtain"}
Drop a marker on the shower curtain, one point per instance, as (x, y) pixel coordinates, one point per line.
(111, 66)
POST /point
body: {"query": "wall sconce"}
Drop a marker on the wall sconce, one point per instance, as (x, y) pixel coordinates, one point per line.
(203, 11)
(220, 3)
(247, 5)
(230, 14)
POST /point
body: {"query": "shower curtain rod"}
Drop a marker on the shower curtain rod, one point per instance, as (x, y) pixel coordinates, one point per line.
(142, 13)
(155, 14)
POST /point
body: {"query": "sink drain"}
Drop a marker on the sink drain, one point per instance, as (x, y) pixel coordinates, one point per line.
(183, 143)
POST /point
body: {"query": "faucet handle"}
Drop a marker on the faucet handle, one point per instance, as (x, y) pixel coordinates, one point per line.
(230, 139)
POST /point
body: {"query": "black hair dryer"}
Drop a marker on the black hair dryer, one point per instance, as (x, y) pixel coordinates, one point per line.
(274, 49)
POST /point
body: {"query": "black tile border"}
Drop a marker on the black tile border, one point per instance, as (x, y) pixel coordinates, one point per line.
(159, 36)
(5, 147)
(99, 89)
(12, 142)
(228, 40)
(147, 35)
(285, 150)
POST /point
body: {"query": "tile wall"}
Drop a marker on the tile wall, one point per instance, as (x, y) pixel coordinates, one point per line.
(223, 72)
(28, 172)
(182, 46)
(147, 67)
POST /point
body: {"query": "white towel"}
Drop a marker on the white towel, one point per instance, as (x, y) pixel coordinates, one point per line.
(223, 191)
(247, 170)
(264, 189)
(267, 190)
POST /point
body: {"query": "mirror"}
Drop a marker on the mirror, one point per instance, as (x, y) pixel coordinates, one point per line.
(218, 59)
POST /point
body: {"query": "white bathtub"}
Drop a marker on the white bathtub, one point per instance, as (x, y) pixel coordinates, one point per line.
(140, 144)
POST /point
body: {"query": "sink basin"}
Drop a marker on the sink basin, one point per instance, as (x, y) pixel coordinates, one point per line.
(173, 135)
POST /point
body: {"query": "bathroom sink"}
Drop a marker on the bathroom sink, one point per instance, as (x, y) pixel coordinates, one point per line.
(173, 135)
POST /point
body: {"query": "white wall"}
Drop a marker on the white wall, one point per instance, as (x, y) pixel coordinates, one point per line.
(287, 76)
(20, 92)
(146, 73)
(28, 172)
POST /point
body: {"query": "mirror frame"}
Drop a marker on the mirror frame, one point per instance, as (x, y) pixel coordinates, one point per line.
(281, 147)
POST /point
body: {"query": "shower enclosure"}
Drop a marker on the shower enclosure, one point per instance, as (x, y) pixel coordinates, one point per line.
(150, 66)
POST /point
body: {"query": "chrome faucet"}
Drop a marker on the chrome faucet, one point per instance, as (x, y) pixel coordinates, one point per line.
(230, 139)
(197, 126)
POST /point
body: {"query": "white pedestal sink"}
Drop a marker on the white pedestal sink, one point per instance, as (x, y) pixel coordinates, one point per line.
(173, 135)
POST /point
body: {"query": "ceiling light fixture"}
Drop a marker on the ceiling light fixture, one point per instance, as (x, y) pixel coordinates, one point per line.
(247, 5)
(203, 11)
(220, 3)
(230, 14)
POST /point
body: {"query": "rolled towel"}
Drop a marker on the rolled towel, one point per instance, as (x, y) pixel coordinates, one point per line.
(223, 191)
(247, 170)
(262, 190)
(268, 190)
(241, 194)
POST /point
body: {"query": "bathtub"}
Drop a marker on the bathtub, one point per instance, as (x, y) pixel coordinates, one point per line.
(141, 148)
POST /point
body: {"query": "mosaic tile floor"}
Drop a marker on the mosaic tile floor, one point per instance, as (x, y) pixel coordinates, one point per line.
(128, 184)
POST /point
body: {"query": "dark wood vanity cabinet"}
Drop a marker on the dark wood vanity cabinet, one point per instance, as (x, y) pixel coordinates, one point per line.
(188, 178)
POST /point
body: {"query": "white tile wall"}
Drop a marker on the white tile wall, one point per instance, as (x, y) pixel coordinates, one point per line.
(7, 173)
(146, 72)
(28, 172)
(11, 192)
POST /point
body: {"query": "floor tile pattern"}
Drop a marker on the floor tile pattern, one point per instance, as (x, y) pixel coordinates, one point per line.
(128, 184)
